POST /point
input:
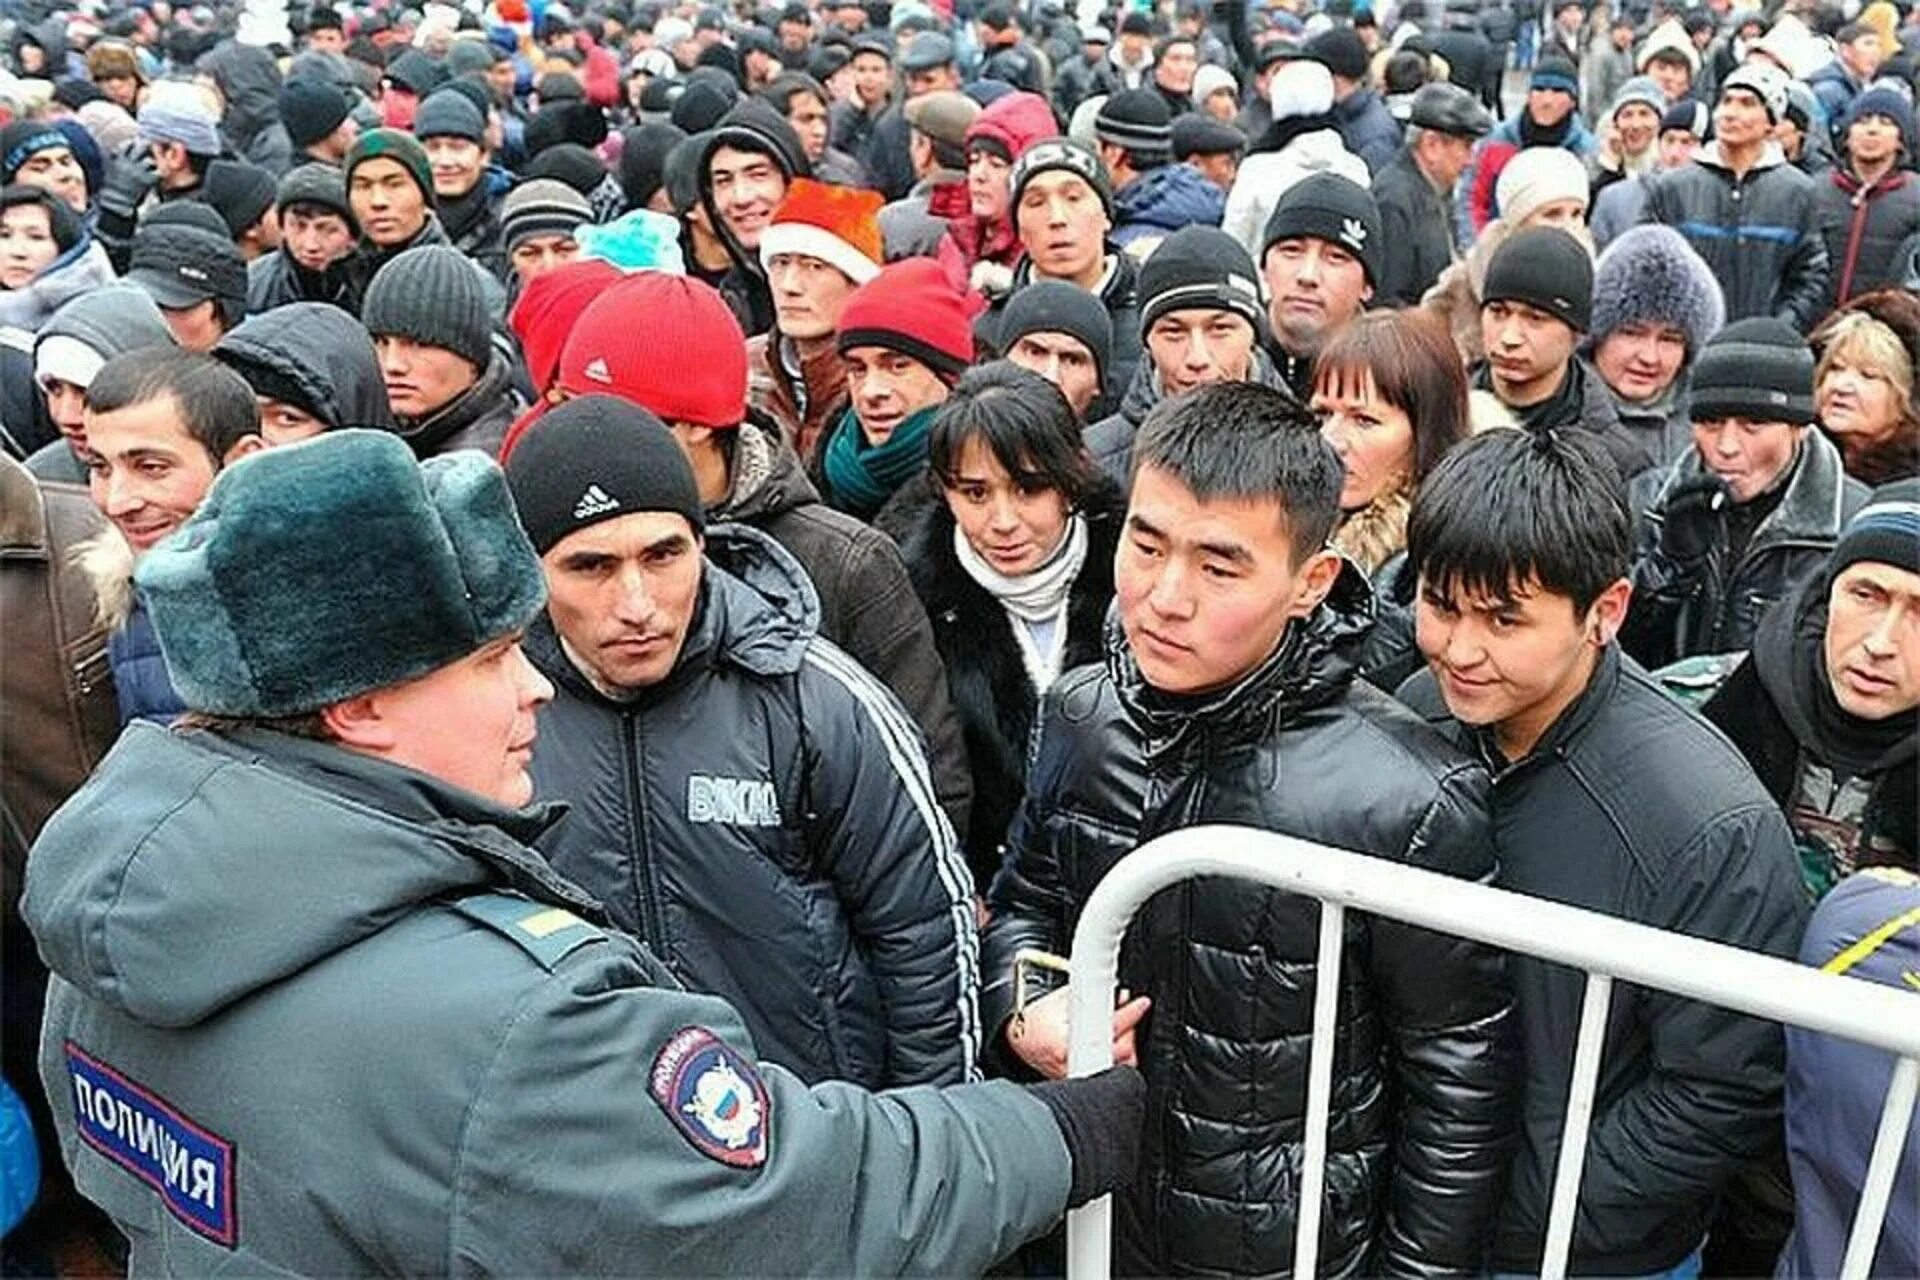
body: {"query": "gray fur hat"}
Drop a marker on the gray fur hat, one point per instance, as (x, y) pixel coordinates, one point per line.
(1652, 273)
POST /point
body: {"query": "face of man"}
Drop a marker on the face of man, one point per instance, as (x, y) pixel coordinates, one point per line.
(1741, 119)
(1316, 287)
(492, 695)
(386, 204)
(1548, 107)
(1637, 123)
(1676, 148)
(872, 78)
(420, 378)
(398, 106)
(534, 256)
(1672, 76)
(284, 423)
(1527, 351)
(1062, 226)
(932, 80)
(794, 36)
(1873, 640)
(1513, 664)
(747, 187)
(1863, 55)
(1640, 360)
(315, 238)
(808, 295)
(886, 387)
(1062, 360)
(1206, 588)
(146, 473)
(1174, 72)
(1135, 48)
(1750, 456)
(622, 594)
(1873, 140)
(808, 116)
(458, 164)
(500, 81)
(327, 40)
(57, 171)
(198, 327)
(1195, 347)
(1444, 157)
(1220, 169)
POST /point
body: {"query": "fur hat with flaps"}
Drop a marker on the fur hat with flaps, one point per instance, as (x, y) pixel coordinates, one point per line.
(1651, 275)
(319, 571)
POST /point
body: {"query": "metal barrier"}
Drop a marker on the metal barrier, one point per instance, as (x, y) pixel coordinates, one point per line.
(1605, 947)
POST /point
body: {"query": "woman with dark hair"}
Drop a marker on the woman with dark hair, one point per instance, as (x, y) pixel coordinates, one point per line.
(804, 102)
(1392, 399)
(46, 257)
(1012, 554)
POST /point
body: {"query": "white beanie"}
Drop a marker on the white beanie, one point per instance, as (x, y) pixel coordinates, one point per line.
(1538, 176)
(66, 358)
(1301, 88)
(1209, 80)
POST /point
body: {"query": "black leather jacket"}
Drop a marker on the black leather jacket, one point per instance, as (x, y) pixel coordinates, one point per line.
(1424, 1097)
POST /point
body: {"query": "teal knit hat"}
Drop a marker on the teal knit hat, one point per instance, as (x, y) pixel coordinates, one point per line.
(316, 572)
(392, 144)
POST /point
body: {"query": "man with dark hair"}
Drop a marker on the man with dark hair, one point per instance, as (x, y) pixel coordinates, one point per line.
(1522, 540)
(1174, 65)
(161, 424)
(1857, 56)
(316, 240)
(746, 165)
(1233, 692)
(467, 187)
(1152, 196)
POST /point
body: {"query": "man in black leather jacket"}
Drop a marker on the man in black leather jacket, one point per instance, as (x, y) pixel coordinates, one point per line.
(1229, 696)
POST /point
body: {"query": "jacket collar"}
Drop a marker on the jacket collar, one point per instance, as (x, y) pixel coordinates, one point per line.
(1809, 510)
(1563, 736)
(424, 435)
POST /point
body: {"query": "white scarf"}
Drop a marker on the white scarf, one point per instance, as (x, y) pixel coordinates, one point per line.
(1039, 595)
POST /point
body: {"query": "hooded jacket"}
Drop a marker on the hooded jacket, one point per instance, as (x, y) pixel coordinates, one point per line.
(507, 1111)
(109, 321)
(1162, 200)
(866, 604)
(752, 126)
(763, 820)
(1760, 234)
(1423, 1098)
(249, 80)
(76, 272)
(1367, 128)
(477, 418)
(1677, 613)
(1674, 832)
(321, 350)
(992, 692)
(1864, 228)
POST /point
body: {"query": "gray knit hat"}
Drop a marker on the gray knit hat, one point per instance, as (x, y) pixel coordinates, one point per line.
(541, 207)
(448, 113)
(1651, 275)
(435, 295)
(315, 184)
(1759, 368)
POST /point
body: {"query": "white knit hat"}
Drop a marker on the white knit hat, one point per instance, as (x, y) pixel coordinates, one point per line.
(1538, 176)
(1301, 87)
(1209, 80)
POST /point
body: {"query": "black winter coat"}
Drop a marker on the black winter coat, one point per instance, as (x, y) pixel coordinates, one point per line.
(477, 418)
(867, 605)
(986, 677)
(1671, 830)
(1418, 232)
(1110, 440)
(275, 279)
(1423, 1098)
(1865, 228)
(763, 821)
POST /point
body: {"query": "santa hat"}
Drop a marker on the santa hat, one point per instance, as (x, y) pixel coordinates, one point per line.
(838, 225)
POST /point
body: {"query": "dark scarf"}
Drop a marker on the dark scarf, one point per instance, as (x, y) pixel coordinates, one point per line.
(1534, 134)
(863, 476)
(1789, 655)
(1281, 132)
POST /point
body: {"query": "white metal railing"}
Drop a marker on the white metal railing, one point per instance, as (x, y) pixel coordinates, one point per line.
(1605, 947)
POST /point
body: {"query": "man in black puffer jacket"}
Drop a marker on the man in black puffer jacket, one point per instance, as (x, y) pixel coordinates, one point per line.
(746, 799)
(1229, 696)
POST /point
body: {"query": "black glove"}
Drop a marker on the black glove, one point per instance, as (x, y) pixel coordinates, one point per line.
(1695, 524)
(1100, 1117)
(129, 179)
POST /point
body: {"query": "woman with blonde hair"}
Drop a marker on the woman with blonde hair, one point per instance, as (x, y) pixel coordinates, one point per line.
(1864, 385)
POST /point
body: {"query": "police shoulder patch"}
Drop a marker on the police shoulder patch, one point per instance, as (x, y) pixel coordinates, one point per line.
(713, 1096)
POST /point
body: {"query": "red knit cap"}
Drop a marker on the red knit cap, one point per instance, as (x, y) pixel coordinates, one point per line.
(911, 307)
(668, 344)
(838, 225)
(546, 312)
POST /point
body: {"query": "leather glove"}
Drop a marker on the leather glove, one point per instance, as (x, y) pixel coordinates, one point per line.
(1695, 525)
(128, 182)
(1101, 1118)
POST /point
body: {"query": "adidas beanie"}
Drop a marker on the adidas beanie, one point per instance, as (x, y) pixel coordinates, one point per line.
(1759, 368)
(435, 295)
(1327, 206)
(667, 343)
(598, 458)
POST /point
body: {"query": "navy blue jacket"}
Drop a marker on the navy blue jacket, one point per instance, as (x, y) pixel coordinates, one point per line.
(140, 677)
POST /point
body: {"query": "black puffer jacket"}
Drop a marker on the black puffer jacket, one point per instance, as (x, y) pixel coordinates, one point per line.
(1677, 613)
(477, 418)
(321, 350)
(763, 821)
(986, 676)
(1424, 1094)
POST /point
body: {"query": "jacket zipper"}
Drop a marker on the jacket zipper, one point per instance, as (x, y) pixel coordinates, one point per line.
(642, 856)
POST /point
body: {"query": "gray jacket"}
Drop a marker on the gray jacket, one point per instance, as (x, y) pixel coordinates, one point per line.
(314, 1012)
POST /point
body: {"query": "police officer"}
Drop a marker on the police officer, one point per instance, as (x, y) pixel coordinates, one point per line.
(318, 1007)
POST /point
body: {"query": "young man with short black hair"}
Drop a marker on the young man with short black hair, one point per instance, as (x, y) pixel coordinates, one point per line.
(1607, 795)
(1230, 696)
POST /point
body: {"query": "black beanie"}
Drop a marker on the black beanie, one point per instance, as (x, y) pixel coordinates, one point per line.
(239, 192)
(1329, 207)
(1546, 268)
(1054, 306)
(437, 296)
(1200, 267)
(315, 184)
(643, 160)
(597, 458)
(311, 109)
(1138, 122)
(570, 163)
(1760, 369)
(1341, 51)
(567, 121)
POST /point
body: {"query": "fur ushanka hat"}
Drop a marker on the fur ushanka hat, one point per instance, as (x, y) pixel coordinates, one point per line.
(319, 571)
(1651, 274)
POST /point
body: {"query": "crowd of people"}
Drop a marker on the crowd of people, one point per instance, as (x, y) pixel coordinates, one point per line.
(586, 585)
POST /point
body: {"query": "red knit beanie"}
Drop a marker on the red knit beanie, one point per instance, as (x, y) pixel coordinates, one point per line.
(545, 313)
(911, 307)
(668, 344)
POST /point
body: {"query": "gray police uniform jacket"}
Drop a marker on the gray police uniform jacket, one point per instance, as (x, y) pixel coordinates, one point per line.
(314, 1012)
(763, 819)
